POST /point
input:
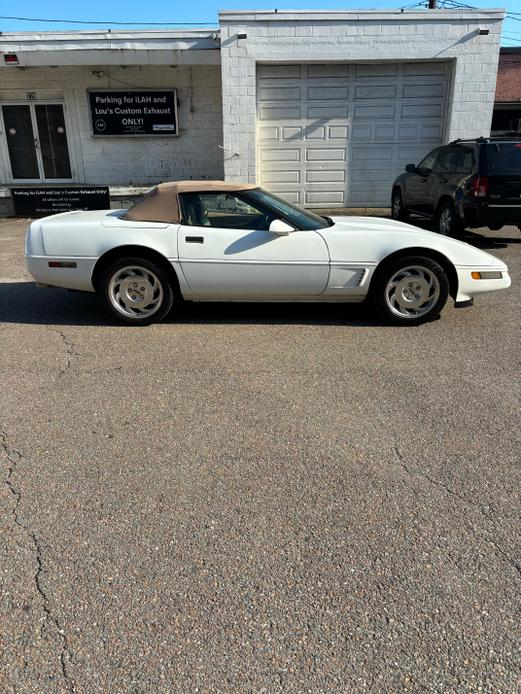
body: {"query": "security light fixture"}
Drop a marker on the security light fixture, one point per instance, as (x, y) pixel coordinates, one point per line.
(242, 36)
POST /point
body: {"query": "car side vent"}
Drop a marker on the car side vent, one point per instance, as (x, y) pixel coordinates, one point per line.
(360, 277)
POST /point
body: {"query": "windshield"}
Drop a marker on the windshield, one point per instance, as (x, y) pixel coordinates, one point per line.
(294, 214)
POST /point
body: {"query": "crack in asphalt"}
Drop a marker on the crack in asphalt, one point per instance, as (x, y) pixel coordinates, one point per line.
(419, 473)
(69, 348)
(13, 457)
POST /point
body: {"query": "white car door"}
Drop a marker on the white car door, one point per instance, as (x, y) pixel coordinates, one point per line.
(226, 252)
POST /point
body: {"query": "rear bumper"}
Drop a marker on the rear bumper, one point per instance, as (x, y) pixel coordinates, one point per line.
(78, 277)
(492, 215)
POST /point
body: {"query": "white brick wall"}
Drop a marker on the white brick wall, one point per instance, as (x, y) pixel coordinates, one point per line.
(356, 37)
(130, 161)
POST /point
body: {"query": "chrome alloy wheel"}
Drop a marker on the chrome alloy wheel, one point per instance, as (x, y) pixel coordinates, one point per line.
(412, 291)
(135, 291)
(445, 222)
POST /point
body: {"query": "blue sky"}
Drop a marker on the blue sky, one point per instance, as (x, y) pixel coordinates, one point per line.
(200, 11)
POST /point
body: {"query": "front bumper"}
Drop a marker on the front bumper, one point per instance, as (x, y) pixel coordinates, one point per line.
(468, 287)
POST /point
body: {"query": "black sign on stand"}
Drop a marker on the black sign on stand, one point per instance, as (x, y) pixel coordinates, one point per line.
(117, 113)
(39, 202)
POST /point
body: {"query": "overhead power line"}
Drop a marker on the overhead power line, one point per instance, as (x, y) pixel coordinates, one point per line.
(443, 4)
(115, 23)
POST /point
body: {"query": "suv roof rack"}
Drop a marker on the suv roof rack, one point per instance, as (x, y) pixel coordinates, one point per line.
(492, 138)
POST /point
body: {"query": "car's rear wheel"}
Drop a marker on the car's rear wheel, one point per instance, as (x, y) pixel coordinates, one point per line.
(398, 210)
(410, 290)
(447, 221)
(136, 291)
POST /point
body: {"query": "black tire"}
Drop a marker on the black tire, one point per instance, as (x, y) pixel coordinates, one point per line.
(447, 221)
(400, 285)
(496, 227)
(398, 210)
(141, 301)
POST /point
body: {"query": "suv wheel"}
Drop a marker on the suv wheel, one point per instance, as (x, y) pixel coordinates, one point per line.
(398, 211)
(447, 221)
(136, 291)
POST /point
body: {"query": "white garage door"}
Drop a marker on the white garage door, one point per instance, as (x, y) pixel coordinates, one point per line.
(338, 135)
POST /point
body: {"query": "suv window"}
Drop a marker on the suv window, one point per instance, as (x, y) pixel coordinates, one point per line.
(465, 162)
(454, 160)
(504, 158)
(428, 162)
(447, 160)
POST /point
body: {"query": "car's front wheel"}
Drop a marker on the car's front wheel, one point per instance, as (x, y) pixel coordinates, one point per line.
(447, 221)
(410, 290)
(398, 210)
(136, 291)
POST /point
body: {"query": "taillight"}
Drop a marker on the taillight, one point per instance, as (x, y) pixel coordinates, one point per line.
(480, 186)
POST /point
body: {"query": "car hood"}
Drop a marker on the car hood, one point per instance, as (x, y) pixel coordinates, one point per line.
(375, 224)
(373, 238)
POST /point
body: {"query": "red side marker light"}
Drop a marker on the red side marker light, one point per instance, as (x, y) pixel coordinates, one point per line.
(62, 263)
(10, 59)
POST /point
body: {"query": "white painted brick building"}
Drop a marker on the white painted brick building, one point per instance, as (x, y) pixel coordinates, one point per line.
(136, 161)
(326, 108)
(323, 107)
(57, 68)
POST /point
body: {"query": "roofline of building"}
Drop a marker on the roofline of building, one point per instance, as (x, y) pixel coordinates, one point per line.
(96, 47)
(353, 15)
(113, 34)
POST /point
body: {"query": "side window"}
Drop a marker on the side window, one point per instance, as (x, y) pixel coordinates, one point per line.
(224, 210)
(428, 162)
(447, 160)
(465, 162)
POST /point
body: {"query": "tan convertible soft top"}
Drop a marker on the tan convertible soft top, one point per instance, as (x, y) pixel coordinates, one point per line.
(161, 204)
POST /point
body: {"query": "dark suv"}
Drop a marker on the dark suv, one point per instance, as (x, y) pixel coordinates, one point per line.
(467, 183)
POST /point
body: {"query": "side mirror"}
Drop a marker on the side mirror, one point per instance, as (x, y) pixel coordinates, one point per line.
(281, 228)
(410, 168)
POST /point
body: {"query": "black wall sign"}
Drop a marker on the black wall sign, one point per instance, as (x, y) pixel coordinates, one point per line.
(38, 202)
(120, 113)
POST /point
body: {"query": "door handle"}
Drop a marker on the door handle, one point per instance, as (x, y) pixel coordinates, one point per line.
(444, 180)
(194, 239)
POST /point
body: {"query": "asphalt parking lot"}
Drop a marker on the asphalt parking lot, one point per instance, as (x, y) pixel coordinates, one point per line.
(258, 498)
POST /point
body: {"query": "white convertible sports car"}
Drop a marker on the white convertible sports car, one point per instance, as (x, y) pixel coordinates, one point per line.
(217, 241)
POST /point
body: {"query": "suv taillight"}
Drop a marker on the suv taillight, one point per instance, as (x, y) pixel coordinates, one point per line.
(480, 186)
